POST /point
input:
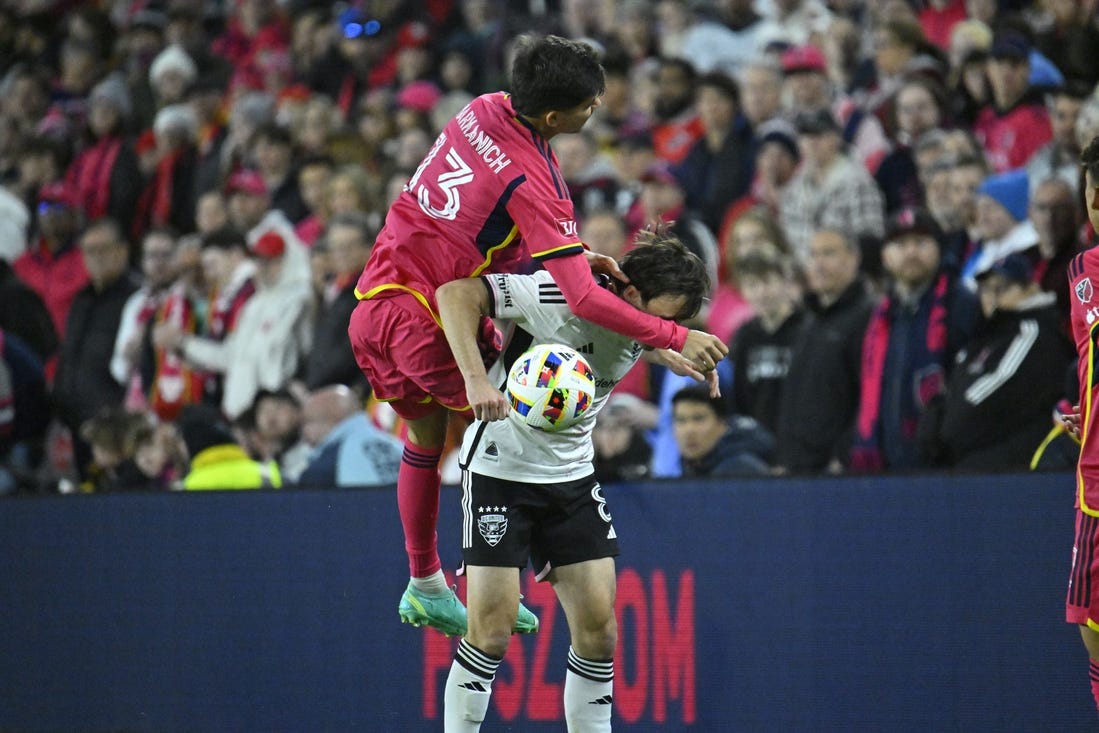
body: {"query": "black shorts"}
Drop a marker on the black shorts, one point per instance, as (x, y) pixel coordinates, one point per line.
(505, 523)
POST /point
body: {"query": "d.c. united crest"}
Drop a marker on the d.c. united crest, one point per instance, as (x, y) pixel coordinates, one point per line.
(493, 526)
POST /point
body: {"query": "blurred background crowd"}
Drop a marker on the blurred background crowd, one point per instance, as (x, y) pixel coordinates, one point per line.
(887, 193)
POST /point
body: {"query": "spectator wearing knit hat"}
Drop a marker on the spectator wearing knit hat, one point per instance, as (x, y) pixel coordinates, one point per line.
(105, 174)
(1002, 225)
(169, 198)
(776, 160)
(171, 72)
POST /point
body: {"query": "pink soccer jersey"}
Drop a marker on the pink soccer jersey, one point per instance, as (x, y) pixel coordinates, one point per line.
(486, 185)
(1083, 275)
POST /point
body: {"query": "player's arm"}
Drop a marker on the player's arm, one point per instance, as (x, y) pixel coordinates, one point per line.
(462, 303)
(603, 308)
(678, 364)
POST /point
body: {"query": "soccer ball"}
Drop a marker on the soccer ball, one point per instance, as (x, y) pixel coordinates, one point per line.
(550, 387)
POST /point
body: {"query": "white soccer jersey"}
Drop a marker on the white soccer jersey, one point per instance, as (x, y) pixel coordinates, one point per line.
(512, 450)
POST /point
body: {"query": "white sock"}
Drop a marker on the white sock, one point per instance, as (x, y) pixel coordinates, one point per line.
(468, 689)
(432, 585)
(589, 684)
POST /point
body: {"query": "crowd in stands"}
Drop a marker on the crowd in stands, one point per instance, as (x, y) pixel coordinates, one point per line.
(887, 194)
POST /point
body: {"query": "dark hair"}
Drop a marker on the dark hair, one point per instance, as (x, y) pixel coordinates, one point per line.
(701, 394)
(722, 83)
(1077, 89)
(553, 74)
(202, 426)
(1089, 160)
(661, 264)
(273, 132)
(668, 62)
(760, 266)
(37, 146)
(225, 238)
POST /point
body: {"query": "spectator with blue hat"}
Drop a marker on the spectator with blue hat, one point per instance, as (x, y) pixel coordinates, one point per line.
(1002, 225)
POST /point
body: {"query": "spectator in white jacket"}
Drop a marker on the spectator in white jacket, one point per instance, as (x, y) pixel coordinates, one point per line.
(271, 337)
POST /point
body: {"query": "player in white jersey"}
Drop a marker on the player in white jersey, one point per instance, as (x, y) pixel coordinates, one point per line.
(543, 483)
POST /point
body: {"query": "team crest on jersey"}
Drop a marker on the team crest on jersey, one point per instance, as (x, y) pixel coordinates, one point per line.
(493, 526)
(568, 227)
(1084, 290)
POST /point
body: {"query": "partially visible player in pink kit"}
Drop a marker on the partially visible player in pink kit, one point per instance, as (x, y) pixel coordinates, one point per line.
(488, 193)
(1082, 603)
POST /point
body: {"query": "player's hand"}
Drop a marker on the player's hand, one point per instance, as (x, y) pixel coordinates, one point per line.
(485, 401)
(684, 367)
(604, 265)
(1071, 421)
(715, 387)
(704, 350)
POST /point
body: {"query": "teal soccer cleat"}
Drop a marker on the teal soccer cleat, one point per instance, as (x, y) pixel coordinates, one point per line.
(526, 622)
(445, 613)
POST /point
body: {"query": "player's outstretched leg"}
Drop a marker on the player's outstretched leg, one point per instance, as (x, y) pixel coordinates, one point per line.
(427, 601)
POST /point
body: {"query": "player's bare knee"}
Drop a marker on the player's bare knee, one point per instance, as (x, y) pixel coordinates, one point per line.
(598, 639)
(490, 635)
(429, 431)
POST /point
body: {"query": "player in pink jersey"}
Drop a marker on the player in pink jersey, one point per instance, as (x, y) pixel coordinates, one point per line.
(488, 197)
(1082, 603)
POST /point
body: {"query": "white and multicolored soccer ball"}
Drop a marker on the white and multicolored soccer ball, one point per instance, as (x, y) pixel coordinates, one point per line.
(550, 387)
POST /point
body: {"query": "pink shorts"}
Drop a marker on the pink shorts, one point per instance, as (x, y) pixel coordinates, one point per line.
(406, 358)
(1082, 603)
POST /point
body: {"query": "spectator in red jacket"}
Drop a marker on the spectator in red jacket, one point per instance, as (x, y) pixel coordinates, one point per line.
(1016, 124)
(53, 266)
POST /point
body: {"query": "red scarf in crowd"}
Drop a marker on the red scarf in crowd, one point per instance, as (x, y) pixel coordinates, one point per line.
(866, 454)
(174, 383)
(91, 175)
